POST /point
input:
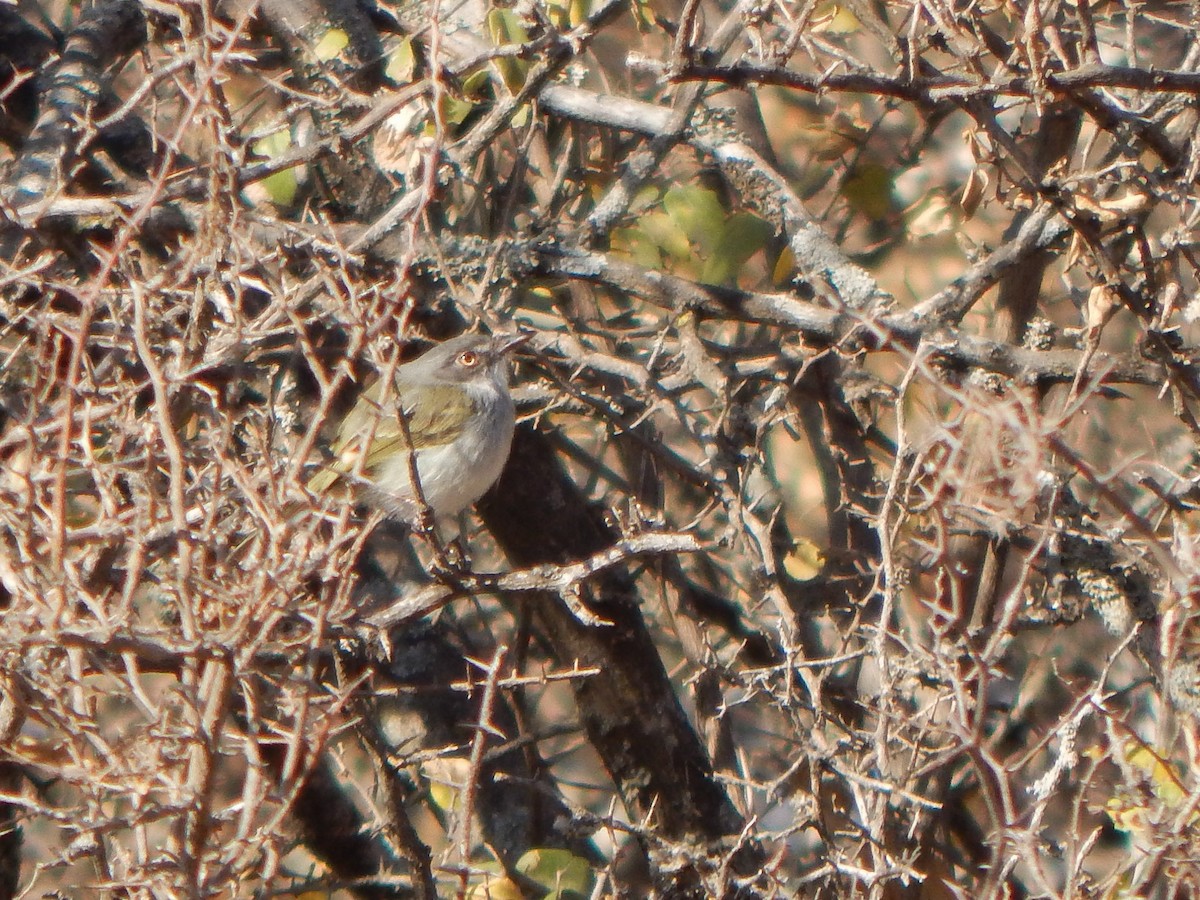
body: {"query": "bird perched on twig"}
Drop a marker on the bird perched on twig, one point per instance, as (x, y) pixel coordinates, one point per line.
(447, 417)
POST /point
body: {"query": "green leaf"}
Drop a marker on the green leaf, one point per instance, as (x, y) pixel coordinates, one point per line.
(638, 245)
(280, 187)
(665, 231)
(560, 872)
(475, 84)
(869, 190)
(454, 110)
(698, 212)
(741, 236)
(274, 144)
(646, 197)
(505, 28)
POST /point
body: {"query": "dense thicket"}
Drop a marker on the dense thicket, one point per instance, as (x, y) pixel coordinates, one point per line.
(845, 548)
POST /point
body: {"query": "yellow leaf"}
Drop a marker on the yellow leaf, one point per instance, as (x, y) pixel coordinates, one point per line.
(402, 63)
(643, 16)
(804, 560)
(496, 889)
(443, 796)
(1126, 815)
(835, 19)
(1163, 780)
(332, 42)
(785, 267)
(446, 776)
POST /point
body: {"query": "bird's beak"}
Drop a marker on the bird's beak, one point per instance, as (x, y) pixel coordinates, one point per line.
(504, 343)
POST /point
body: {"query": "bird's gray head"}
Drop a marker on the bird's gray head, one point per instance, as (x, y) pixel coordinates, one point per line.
(465, 359)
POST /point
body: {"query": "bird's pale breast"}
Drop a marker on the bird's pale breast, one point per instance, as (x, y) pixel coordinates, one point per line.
(453, 475)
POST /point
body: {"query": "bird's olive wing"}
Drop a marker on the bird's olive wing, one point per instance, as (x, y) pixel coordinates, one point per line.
(435, 415)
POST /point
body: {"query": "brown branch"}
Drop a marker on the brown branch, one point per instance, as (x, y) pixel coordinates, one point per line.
(562, 579)
(943, 89)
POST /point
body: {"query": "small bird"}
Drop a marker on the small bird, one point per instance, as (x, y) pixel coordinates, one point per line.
(449, 411)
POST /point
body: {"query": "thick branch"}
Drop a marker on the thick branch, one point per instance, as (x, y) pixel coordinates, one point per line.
(106, 33)
(629, 709)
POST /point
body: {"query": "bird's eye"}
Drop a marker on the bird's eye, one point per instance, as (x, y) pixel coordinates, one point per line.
(468, 359)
